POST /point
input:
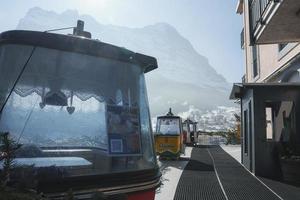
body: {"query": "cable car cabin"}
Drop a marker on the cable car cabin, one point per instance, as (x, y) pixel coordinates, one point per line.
(190, 132)
(169, 136)
(79, 109)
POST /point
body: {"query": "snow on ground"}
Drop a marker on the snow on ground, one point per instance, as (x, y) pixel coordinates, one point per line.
(171, 172)
(233, 150)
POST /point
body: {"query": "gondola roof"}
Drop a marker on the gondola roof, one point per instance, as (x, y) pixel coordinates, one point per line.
(77, 44)
(189, 121)
(168, 117)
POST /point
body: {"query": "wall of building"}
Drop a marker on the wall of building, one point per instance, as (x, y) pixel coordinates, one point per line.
(270, 60)
(248, 156)
(263, 155)
(270, 154)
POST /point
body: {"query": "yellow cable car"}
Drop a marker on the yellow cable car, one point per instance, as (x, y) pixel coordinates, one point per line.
(169, 136)
(190, 132)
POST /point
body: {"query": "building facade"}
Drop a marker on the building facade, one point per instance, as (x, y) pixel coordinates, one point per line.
(270, 92)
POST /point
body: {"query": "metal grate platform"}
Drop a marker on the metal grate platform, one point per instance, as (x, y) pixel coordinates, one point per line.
(287, 192)
(199, 180)
(237, 181)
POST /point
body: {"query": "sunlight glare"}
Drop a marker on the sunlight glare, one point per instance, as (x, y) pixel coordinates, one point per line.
(92, 4)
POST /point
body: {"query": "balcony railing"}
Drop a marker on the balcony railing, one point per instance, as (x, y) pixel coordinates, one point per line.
(274, 21)
(257, 10)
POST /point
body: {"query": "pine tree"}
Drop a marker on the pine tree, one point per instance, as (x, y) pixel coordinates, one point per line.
(8, 148)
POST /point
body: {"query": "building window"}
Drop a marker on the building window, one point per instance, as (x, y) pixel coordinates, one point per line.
(269, 123)
(279, 120)
(282, 46)
(255, 61)
(242, 39)
(250, 123)
(245, 131)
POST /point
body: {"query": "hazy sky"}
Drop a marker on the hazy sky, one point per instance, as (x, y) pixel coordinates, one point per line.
(211, 26)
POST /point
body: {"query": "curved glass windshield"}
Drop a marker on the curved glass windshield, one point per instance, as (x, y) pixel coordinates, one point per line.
(168, 126)
(192, 127)
(75, 111)
(185, 127)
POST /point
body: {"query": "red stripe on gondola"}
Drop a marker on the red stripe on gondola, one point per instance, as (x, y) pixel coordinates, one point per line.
(146, 195)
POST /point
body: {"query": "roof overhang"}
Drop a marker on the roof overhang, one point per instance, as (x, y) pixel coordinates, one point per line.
(236, 91)
(189, 121)
(239, 89)
(77, 44)
(168, 117)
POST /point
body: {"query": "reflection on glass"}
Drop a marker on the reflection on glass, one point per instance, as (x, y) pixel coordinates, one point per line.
(53, 126)
(185, 127)
(283, 120)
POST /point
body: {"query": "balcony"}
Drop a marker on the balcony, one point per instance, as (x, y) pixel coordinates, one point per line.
(274, 21)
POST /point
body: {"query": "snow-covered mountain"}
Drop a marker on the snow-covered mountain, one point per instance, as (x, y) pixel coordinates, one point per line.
(184, 77)
(219, 119)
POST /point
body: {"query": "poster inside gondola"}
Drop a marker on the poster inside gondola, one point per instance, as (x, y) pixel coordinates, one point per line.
(123, 128)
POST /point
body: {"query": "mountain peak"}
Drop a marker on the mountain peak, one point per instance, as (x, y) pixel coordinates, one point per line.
(70, 13)
(162, 26)
(180, 66)
(37, 11)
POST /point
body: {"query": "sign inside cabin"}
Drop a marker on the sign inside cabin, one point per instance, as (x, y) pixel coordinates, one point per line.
(123, 127)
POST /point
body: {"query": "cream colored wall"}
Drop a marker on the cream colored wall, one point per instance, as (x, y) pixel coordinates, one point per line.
(267, 56)
(247, 48)
(269, 60)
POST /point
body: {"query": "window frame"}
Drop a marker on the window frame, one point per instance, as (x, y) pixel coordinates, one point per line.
(272, 123)
(245, 131)
(255, 62)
